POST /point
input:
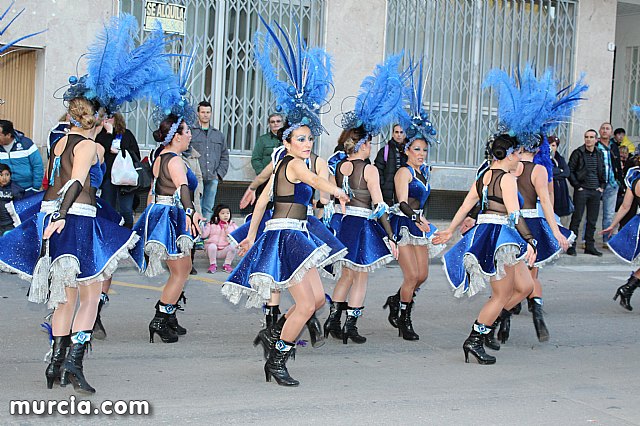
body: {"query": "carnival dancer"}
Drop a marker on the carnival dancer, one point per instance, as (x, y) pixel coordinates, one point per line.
(287, 254)
(626, 243)
(495, 248)
(412, 231)
(531, 107)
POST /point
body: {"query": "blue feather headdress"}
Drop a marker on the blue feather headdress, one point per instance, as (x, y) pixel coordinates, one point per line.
(529, 107)
(118, 71)
(636, 110)
(309, 78)
(379, 102)
(3, 29)
(416, 122)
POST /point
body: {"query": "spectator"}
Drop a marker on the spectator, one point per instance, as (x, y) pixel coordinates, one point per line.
(587, 177)
(21, 155)
(9, 191)
(114, 138)
(613, 176)
(214, 156)
(265, 144)
(624, 156)
(562, 204)
(58, 131)
(217, 232)
(388, 160)
(621, 138)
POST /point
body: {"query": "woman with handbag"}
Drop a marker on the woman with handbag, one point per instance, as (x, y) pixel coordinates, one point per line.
(118, 143)
(562, 204)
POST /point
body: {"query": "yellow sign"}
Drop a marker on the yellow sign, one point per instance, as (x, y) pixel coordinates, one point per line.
(171, 16)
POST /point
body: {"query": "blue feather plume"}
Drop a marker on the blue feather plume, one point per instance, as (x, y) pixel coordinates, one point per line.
(636, 110)
(46, 327)
(543, 157)
(309, 77)
(6, 45)
(416, 122)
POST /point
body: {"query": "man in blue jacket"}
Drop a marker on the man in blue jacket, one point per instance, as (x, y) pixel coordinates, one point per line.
(20, 153)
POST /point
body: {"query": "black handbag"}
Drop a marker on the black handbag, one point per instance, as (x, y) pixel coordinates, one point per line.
(145, 177)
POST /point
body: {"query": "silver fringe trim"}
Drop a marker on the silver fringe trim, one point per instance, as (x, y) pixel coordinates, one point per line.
(505, 255)
(234, 292)
(157, 253)
(344, 263)
(11, 209)
(331, 260)
(407, 238)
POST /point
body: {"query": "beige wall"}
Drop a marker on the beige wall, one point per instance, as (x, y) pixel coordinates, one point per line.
(72, 25)
(627, 34)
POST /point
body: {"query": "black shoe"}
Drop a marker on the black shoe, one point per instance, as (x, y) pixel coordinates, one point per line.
(333, 325)
(490, 340)
(393, 303)
(276, 365)
(315, 332)
(538, 321)
(572, 251)
(269, 336)
(474, 342)
(160, 324)
(505, 326)
(58, 355)
(172, 322)
(405, 325)
(350, 330)
(72, 369)
(626, 291)
(193, 271)
(592, 251)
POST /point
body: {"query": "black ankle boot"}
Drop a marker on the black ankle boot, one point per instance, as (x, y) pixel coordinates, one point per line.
(405, 326)
(72, 370)
(626, 291)
(350, 330)
(332, 324)
(269, 336)
(98, 329)
(160, 324)
(272, 315)
(393, 303)
(538, 321)
(474, 342)
(315, 332)
(172, 320)
(505, 326)
(490, 340)
(276, 365)
(58, 355)
(517, 309)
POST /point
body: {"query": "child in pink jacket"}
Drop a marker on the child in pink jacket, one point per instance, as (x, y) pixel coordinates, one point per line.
(216, 232)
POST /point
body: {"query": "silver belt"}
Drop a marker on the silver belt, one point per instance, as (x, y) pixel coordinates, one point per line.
(285, 223)
(497, 219)
(167, 200)
(77, 209)
(529, 213)
(358, 211)
(309, 211)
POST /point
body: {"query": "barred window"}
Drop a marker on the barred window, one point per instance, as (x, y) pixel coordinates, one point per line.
(632, 89)
(461, 40)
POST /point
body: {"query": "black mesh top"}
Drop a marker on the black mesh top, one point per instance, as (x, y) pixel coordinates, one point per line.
(63, 174)
(361, 196)
(525, 186)
(495, 202)
(290, 200)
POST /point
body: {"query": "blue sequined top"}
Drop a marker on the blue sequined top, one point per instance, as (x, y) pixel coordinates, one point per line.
(192, 180)
(96, 172)
(419, 190)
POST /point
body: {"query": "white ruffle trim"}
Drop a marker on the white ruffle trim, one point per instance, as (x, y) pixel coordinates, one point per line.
(346, 263)
(505, 255)
(262, 284)
(635, 262)
(331, 260)
(555, 256)
(157, 253)
(407, 238)
(11, 209)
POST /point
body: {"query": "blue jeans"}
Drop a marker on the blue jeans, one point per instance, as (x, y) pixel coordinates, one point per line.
(609, 197)
(121, 202)
(209, 198)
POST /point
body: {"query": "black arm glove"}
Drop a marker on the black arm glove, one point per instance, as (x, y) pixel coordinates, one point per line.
(384, 221)
(73, 191)
(525, 233)
(185, 199)
(408, 212)
(475, 211)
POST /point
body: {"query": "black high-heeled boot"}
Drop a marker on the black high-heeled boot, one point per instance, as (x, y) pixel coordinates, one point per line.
(333, 324)
(538, 321)
(474, 345)
(58, 355)
(160, 324)
(490, 340)
(626, 291)
(505, 326)
(172, 320)
(98, 329)
(315, 332)
(393, 303)
(276, 365)
(269, 336)
(72, 369)
(405, 326)
(350, 330)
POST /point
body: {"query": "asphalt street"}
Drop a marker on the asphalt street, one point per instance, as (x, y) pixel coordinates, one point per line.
(587, 373)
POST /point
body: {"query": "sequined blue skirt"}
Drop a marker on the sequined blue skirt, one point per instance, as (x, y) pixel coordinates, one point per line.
(626, 243)
(480, 255)
(162, 237)
(242, 231)
(338, 250)
(365, 240)
(87, 250)
(548, 248)
(407, 233)
(278, 259)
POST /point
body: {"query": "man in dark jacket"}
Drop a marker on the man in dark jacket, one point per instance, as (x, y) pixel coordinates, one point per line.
(612, 174)
(588, 180)
(214, 156)
(388, 160)
(20, 153)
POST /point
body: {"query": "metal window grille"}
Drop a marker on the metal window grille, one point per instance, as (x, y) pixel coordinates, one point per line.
(224, 73)
(632, 88)
(461, 40)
